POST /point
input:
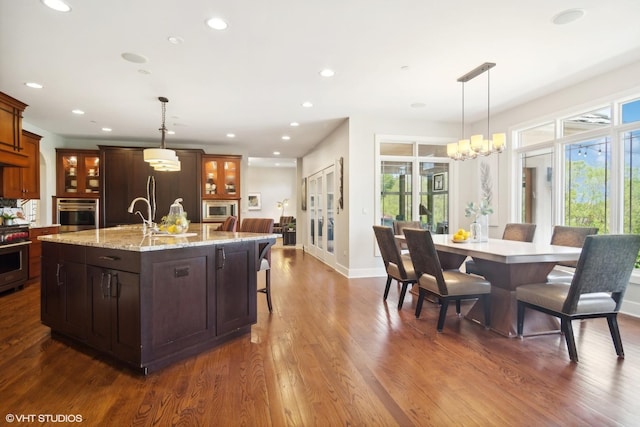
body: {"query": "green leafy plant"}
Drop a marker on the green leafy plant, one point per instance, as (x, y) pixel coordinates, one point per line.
(477, 209)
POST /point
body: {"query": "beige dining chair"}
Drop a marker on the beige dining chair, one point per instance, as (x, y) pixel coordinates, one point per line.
(398, 226)
(397, 265)
(262, 225)
(568, 236)
(600, 280)
(512, 231)
(445, 285)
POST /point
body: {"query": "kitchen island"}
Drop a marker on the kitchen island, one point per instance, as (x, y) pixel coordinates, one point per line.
(149, 301)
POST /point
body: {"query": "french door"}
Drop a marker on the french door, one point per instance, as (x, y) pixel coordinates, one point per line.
(322, 215)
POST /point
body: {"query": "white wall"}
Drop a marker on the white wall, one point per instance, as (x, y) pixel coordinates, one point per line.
(274, 184)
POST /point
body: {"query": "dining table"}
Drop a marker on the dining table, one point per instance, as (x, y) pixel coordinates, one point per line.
(506, 264)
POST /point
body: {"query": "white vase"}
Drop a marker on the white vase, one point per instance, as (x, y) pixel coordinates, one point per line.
(483, 220)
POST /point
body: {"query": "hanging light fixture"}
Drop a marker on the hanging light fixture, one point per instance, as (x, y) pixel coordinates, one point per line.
(162, 159)
(477, 144)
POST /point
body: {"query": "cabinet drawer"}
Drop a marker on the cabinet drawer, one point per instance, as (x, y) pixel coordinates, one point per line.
(114, 258)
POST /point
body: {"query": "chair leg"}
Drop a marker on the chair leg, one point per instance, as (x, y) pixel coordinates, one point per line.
(403, 292)
(520, 321)
(268, 288)
(421, 294)
(568, 336)
(486, 305)
(443, 314)
(615, 334)
(458, 307)
(386, 288)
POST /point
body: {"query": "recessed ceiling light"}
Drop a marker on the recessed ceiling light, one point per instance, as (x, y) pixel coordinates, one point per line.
(107, 129)
(217, 24)
(57, 5)
(294, 124)
(134, 57)
(567, 16)
(34, 85)
(175, 40)
(171, 132)
(286, 137)
(307, 104)
(231, 135)
(78, 112)
(327, 73)
(276, 153)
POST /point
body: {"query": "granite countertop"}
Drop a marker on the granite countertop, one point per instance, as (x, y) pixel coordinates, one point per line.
(131, 238)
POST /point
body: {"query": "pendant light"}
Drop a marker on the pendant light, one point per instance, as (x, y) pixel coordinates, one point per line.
(477, 144)
(162, 159)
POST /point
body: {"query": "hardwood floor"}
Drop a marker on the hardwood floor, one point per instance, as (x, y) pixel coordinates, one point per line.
(331, 353)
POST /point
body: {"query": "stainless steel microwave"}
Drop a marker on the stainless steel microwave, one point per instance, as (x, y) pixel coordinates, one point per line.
(218, 210)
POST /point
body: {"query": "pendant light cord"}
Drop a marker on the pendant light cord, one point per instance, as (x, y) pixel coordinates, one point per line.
(163, 129)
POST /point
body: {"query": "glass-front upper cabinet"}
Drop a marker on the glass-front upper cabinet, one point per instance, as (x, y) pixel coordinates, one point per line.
(78, 173)
(221, 177)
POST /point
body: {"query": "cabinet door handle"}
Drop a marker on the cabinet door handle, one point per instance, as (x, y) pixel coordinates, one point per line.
(181, 271)
(106, 289)
(58, 268)
(109, 258)
(221, 258)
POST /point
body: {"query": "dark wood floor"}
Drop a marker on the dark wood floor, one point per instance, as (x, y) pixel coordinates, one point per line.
(331, 353)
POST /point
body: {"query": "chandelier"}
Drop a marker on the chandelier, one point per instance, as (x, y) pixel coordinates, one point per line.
(477, 145)
(162, 159)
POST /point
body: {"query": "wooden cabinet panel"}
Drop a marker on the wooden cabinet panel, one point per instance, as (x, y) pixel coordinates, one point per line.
(35, 249)
(235, 286)
(11, 132)
(24, 183)
(221, 177)
(63, 289)
(125, 178)
(78, 173)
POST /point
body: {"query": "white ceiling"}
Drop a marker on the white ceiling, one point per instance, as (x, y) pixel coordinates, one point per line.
(251, 78)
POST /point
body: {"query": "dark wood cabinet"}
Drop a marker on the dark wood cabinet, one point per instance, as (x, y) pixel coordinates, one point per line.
(150, 308)
(77, 173)
(24, 183)
(236, 287)
(35, 248)
(11, 153)
(125, 178)
(114, 304)
(63, 289)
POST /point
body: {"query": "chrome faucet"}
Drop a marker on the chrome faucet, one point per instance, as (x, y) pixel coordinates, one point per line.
(146, 222)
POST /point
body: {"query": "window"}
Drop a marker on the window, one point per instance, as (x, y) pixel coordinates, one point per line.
(413, 184)
(587, 121)
(396, 195)
(587, 184)
(571, 179)
(631, 111)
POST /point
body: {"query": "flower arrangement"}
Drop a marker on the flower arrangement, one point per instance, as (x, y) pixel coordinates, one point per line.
(477, 209)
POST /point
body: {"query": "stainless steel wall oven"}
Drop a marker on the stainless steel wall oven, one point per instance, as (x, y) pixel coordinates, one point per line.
(76, 214)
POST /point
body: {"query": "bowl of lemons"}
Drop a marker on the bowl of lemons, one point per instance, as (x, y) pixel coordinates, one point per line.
(461, 236)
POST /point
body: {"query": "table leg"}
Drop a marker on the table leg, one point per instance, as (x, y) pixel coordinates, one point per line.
(504, 279)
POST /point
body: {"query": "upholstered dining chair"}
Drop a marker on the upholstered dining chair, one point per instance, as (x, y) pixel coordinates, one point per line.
(230, 223)
(398, 226)
(397, 265)
(598, 285)
(445, 285)
(262, 225)
(512, 231)
(568, 236)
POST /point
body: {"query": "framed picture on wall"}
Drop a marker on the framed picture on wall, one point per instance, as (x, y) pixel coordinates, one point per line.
(254, 201)
(439, 182)
(303, 195)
